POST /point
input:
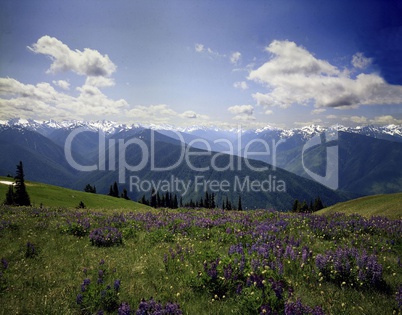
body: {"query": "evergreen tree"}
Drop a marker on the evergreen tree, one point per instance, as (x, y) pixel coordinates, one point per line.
(296, 206)
(239, 205)
(304, 207)
(206, 200)
(167, 200)
(153, 198)
(144, 200)
(212, 203)
(81, 205)
(175, 202)
(318, 205)
(124, 194)
(9, 196)
(90, 189)
(115, 190)
(21, 197)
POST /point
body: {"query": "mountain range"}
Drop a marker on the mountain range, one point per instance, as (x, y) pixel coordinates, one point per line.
(368, 158)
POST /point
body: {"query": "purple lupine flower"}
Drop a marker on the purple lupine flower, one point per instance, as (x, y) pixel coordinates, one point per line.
(4, 263)
(398, 297)
(124, 309)
(117, 285)
(79, 298)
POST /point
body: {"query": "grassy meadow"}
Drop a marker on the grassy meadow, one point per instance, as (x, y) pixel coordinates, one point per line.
(389, 205)
(61, 260)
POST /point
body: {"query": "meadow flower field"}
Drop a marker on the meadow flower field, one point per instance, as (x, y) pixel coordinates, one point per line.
(66, 261)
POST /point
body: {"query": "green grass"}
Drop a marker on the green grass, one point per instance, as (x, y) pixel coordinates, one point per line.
(389, 205)
(49, 282)
(58, 197)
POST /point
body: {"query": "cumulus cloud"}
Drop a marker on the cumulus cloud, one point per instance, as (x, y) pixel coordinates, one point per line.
(242, 112)
(189, 114)
(99, 81)
(62, 84)
(318, 111)
(200, 48)
(385, 120)
(43, 101)
(356, 119)
(359, 61)
(88, 62)
(241, 85)
(241, 109)
(160, 113)
(235, 57)
(294, 76)
(377, 120)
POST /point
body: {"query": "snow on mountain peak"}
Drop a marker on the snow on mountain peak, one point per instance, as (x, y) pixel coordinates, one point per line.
(112, 127)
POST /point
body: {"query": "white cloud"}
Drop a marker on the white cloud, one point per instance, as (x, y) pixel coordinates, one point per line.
(99, 81)
(199, 48)
(294, 76)
(356, 119)
(235, 57)
(62, 84)
(318, 111)
(43, 101)
(241, 109)
(385, 120)
(377, 120)
(242, 112)
(189, 114)
(331, 117)
(359, 61)
(88, 62)
(241, 85)
(269, 112)
(160, 113)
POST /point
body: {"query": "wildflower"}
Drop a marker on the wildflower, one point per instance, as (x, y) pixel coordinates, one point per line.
(4, 262)
(124, 309)
(79, 298)
(117, 285)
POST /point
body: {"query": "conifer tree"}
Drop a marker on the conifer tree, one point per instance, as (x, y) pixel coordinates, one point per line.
(239, 205)
(21, 197)
(153, 198)
(296, 206)
(318, 205)
(9, 196)
(212, 203)
(115, 190)
(124, 194)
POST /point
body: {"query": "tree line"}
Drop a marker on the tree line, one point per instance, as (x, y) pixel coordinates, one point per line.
(304, 207)
(171, 201)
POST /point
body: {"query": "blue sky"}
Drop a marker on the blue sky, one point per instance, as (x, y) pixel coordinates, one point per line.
(225, 63)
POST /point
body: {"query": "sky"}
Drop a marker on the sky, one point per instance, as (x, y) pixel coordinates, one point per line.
(255, 63)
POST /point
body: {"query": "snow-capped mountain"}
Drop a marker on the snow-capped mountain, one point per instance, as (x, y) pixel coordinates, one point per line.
(388, 132)
(376, 150)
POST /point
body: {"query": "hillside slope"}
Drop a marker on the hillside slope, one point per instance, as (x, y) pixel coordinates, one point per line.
(389, 205)
(54, 196)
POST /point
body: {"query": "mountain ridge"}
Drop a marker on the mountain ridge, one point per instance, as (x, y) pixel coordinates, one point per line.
(112, 127)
